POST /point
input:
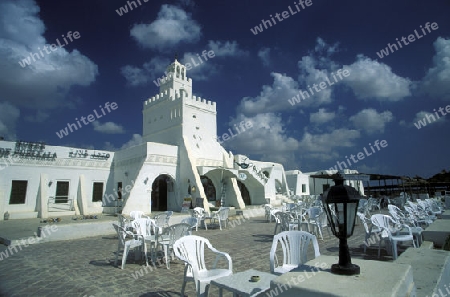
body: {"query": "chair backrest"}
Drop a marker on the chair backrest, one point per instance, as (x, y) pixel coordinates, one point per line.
(295, 246)
(191, 221)
(223, 213)
(364, 220)
(395, 212)
(314, 212)
(191, 249)
(136, 214)
(122, 220)
(178, 230)
(121, 233)
(383, 222)
(283, 219)
(143, 226)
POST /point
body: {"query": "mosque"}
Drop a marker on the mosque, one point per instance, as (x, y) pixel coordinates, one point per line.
(180, 164)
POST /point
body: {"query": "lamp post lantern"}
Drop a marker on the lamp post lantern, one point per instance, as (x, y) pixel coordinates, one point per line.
(341, 204)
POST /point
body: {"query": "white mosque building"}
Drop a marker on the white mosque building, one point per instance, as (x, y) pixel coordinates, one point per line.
(179, 162)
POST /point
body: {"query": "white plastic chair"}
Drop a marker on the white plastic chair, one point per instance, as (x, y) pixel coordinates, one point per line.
(318, 219)
(369, 230)
(384, 223)
(200, 214)
(191, 221)
(144, 228)
(126, 245)
(295, 246)
(191, 250)
(136, 214)
(222, 217)
(168, 237)
(284, 222)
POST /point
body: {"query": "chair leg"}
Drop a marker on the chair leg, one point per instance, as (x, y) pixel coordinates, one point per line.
(379, 247)
(394, 249)
(183, 287)
(125, 254)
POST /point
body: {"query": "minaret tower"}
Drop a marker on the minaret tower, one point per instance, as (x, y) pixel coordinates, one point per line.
(176, 79)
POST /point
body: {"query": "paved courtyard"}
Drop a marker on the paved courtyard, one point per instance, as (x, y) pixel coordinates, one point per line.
(85, 267)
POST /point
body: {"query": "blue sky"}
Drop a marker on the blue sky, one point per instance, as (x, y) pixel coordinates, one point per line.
(252, 76)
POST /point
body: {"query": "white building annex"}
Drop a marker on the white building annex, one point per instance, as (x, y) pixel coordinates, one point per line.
(179, 158)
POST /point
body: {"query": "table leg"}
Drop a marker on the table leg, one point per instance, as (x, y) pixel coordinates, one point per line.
(220, 292)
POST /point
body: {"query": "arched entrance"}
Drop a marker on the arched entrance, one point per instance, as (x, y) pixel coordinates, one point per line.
(244, 193)
(208, 186)
(160, 188)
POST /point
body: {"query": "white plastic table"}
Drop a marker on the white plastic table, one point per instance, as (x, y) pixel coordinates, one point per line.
(241, 285)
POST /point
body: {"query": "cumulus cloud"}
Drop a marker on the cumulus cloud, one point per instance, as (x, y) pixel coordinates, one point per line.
(151, 70)
(226, 49)
(108, 128)
(373, 80)
(272, 98)
(51, 74)
(267, 138)
(321, 116)
(436, 81)
(172, 26)
(199, 71)
(371, 121)
(9, 116)
(264, 55)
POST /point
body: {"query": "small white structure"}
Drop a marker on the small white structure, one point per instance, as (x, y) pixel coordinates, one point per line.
(319, 185)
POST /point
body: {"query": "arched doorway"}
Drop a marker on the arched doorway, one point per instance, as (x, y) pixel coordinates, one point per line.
(160, 187)
(208, 186)
(244, 193)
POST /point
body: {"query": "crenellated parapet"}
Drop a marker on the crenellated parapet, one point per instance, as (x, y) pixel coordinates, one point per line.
(201, 103)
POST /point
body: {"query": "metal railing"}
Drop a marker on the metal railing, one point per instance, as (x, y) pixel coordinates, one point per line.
(60, 203)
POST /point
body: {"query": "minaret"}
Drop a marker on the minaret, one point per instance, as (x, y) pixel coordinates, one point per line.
(176, 79)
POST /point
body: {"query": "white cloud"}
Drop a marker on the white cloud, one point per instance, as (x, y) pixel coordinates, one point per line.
(172, 26)
(326, 142)
(264, 55)
(226, 49)
(9, 116)
(151, 70)
(199, 71)
(135, 76)
(266, 138)
(373, 80)
(321, 116)
(52, 74)
(312, 74)
(371, 121)
(436, 81)
(108, 128)
(272, 98)
(136, 139)
(427, 117)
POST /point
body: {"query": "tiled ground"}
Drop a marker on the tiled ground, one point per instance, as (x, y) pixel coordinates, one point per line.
(85, 267)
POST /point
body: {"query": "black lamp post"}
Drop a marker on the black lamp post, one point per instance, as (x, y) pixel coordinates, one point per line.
(341, 205)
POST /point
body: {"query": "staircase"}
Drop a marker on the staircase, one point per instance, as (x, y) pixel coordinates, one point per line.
(223, 194)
